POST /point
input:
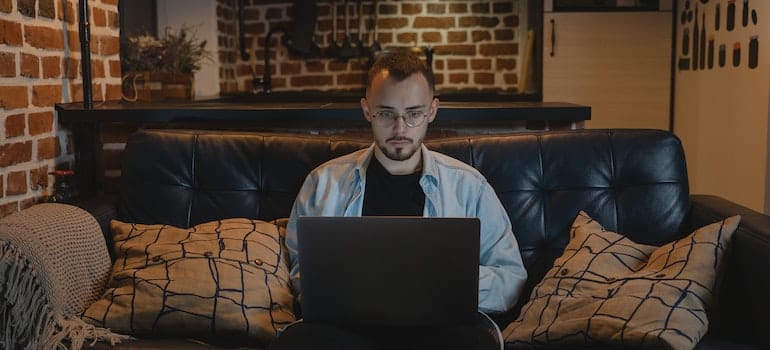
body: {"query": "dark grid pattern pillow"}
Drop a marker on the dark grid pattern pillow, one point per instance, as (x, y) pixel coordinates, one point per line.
(607, 289)
(224, 279)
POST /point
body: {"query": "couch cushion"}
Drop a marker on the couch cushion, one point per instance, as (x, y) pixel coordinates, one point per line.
(225, 279)
(607, 289)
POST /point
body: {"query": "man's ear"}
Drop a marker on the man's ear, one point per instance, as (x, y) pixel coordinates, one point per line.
(365, 109)
(433, 109)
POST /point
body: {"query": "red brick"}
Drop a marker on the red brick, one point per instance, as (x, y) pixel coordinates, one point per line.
(337, 66)
(30, 66)
(15, 153)
(38, 178)
(74, 40)
(115, 69)
(406, 38)
(311, 80)
(474, 21)
(46, 8)
(439, 64)
(113, 19)
(431, 37)
(457, 78)
(40, 123)
(70, 15)
(464, 50)
(351, 79)
(480, 8)
(481, 64)
(15, 125)
(9, 208)
(504, 34)
(502, 7)
(71, 66)
(48, 148)
(99, 17)
(511, 78)
(2, 182)
(44, 37)
(483, 78)
(434, 22)
(10, 33)
(7, 64)
(110, 2)
(274, 13)
(436, 9)
(97, 68)
(109, 45)
(457, 37)
(314, 66)
(388, 9)
(392, 23)
(13, 97)
(410, 9)
(438, 79)
(113, 92)
(505, 63)
(458, 8)
(76, 91)
(17, 183)
(26, 203)
(5, 6)
(46, 95)
(51, 67)
(481, 35)
(498, 49)
(291, 68)
(511, 21)
(113, 159)
(385, 38)
(457, 64)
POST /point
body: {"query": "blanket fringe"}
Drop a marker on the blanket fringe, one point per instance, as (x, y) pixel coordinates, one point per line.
(28, 320)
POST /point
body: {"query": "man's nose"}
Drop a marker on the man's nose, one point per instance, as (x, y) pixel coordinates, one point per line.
(400, 124)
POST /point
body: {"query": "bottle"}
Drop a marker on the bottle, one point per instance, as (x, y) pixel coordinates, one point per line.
(753, 51)
(686, 42)
(730, 15)
(702, 54)
(711, 51)
(745, 15)
(736, 54)
(717, 19)
(695, 48)
(722, 55)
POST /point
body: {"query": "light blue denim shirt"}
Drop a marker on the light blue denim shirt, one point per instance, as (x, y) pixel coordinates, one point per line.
(452, 189)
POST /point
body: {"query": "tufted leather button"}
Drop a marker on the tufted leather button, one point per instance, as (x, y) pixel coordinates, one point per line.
(660, 275)
(259, 262)
(611, 279)
(564, 272)
(208, 254)
(156, 258)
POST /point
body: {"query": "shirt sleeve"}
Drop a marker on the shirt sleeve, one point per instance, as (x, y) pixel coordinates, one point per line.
(302, 207)
(501, 272)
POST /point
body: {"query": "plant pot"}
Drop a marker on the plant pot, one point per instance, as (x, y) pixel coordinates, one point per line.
(157, 86)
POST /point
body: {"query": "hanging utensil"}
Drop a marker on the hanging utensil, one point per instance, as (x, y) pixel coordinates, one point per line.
(359, 43)
(347, 50)
(374, 46)
(333, 50)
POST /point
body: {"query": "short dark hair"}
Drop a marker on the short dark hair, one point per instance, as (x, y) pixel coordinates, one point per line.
(400, 65)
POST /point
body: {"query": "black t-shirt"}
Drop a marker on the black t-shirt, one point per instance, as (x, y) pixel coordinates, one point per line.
(387, 194)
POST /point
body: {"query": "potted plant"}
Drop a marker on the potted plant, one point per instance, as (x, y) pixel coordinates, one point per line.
(161, 68)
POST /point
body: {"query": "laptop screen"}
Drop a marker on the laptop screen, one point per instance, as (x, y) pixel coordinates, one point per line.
(389, 271)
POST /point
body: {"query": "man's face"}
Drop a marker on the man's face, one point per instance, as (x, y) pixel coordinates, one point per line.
(398, 141)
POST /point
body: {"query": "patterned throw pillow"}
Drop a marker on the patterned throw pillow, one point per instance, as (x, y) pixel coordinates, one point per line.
(607, 289)
(225, 279)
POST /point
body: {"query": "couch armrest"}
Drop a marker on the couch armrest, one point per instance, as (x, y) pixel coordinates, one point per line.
(743, 300)
(103, 208)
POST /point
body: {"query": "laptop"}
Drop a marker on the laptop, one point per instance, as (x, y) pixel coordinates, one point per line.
(389, 271)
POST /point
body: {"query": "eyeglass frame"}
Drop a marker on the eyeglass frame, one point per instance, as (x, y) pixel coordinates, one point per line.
(378, 116)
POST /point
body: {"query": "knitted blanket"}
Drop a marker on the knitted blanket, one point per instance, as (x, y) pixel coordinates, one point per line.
(53, 264)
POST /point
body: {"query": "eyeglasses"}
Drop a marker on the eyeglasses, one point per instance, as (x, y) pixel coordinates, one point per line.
(386, 118)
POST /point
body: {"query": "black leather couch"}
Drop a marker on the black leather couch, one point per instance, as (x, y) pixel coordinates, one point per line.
(633, 181)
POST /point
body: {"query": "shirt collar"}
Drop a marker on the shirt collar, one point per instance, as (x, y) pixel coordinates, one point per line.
(429, 166)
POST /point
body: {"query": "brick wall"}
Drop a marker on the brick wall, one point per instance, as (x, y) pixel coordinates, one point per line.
(476, 43)
(39, 67)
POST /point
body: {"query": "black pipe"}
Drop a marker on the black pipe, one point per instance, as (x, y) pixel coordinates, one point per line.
(267, 84)
(84, 30)
(242, 30)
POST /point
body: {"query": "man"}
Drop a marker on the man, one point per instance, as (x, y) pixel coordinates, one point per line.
(398, 175)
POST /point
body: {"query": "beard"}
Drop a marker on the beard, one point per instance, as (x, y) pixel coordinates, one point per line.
(400, 153)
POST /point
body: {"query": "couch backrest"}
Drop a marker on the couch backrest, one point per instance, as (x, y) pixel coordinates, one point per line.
(632, 181)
